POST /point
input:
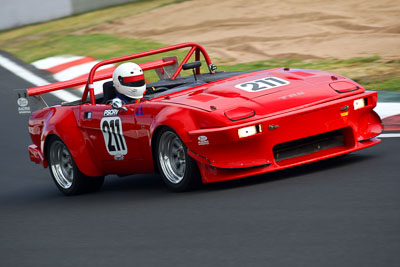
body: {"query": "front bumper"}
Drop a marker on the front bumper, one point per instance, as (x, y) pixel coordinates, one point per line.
(226, 156)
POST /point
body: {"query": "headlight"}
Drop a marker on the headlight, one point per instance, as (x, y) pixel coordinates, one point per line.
(249, 131)
(359, 103)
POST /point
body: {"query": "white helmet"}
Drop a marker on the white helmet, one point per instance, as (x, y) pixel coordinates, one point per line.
(129, 80)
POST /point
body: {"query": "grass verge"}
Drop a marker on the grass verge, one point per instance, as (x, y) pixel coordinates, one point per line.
(371, 72)
(58, 37)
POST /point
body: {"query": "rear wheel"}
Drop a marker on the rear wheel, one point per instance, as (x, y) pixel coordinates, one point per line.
(178, 169)
(66, 174)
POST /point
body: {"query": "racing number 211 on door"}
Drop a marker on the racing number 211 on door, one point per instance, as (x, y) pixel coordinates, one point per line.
(111, 127)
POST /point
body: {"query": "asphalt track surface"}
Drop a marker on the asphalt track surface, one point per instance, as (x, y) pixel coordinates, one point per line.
(338, 212)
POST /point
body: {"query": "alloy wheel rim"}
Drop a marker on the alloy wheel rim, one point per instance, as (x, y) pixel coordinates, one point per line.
(172, 157)
(61, 164)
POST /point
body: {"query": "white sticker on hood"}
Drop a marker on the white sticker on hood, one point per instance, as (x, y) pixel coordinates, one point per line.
(262, 84)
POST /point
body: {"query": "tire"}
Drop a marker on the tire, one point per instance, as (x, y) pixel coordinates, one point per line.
(66, 175)
(179, 171)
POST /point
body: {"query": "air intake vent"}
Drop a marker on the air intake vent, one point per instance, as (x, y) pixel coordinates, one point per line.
(308, 145)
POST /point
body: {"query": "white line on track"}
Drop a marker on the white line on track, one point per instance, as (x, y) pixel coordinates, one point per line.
(34, 79)
(387, 109)
(75, 71)
(50, 62)
(385, 135)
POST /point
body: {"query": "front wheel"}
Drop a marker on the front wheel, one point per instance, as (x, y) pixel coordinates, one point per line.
(66, 175)
(178, 169)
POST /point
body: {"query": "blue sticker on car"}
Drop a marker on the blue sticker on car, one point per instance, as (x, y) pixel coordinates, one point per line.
(139, 111)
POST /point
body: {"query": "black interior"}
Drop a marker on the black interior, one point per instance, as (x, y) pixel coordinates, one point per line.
(109, 92)
(162, 87)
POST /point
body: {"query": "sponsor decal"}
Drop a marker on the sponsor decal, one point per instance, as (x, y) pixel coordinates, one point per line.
(23, 102)
(203, 140)
(139, 111)
(119, 157)
(291, 95)
(262, 84)
(344, 114)
(110, 112)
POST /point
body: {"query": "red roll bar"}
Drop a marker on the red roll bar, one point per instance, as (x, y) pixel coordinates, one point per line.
(145, 66)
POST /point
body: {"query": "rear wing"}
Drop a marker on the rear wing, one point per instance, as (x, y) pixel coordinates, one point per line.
(89, 88)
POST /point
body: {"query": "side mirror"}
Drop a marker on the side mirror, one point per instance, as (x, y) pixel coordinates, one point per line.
(116, 103)
(192, 66)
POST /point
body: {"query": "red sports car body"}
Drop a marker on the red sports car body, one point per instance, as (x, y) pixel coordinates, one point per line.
(214, 126)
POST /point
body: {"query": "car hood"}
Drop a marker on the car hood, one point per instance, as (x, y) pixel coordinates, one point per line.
(268, 91)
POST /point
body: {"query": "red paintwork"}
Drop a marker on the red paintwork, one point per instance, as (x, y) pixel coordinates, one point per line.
(308, 105)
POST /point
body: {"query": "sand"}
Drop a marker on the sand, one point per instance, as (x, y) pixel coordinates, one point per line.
(251, 30)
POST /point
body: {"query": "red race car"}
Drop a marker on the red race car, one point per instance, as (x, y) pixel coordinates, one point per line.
(205, 127)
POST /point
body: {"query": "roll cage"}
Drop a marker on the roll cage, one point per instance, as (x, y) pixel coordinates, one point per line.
(92, 77)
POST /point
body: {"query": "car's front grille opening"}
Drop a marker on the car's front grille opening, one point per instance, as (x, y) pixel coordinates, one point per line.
(309, 145)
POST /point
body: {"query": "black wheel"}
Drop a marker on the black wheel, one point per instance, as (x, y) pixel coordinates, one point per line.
(66, 174)
(178, 169)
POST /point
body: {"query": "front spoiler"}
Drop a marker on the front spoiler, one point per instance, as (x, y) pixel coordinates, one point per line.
(212, 174)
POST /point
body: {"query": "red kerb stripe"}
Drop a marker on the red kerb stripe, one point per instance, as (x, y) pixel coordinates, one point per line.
(67, 65)
(99, 72)
(392, 123)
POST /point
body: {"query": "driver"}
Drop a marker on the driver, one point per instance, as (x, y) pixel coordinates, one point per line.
(128, 80)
